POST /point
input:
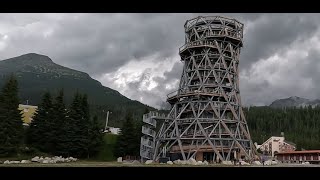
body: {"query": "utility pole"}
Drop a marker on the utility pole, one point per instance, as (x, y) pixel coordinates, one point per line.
(107, 118)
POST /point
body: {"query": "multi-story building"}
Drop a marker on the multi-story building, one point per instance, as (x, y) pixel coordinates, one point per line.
(276, 145)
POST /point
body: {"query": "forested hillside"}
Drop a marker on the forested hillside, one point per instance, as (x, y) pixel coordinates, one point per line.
(300, 125)
(37, 74)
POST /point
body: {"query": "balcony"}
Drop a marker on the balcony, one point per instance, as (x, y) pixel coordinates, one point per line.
(149, 120)
(175, 97)
(217, 21)
(217, 34)
(195, 44)
(153, 115)
(172, 94)
(147, 142)
(157, 115)
(148, 131)
(146, 154)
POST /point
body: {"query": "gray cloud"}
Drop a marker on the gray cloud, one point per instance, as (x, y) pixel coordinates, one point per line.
(104, 44)
(156, 96)
(272, 33)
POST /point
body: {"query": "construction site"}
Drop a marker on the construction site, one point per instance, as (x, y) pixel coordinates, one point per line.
(206, 121)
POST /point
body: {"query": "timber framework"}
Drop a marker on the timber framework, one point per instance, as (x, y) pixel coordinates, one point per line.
(206, 120)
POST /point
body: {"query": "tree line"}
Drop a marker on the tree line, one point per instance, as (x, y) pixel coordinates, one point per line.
(299, 125)
(55, 128)
(71, 131)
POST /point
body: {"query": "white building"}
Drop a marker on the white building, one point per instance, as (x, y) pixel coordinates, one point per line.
(276, 145)
(112, 130)
(28, 112)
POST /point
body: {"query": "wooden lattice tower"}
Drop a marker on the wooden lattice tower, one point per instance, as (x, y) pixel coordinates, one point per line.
(206, 120)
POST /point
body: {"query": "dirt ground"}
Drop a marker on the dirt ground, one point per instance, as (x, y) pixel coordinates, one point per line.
(115, 164)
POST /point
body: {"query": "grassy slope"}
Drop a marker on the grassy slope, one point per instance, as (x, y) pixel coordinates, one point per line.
(106, 153)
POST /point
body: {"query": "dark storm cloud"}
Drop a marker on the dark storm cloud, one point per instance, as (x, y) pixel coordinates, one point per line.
(267, 34)
(111, 40)
(272, 33)
(101, 44)
(311, 70)
(112, 44)
(108, 41)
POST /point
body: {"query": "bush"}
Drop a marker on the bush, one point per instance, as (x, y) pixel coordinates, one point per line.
(28, 150)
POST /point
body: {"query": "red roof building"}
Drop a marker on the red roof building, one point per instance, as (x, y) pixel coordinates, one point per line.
(312, 156)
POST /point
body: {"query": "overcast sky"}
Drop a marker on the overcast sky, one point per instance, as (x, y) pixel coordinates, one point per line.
(137, 54)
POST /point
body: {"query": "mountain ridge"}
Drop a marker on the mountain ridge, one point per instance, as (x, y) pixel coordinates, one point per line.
(294, 101)
(38, 73)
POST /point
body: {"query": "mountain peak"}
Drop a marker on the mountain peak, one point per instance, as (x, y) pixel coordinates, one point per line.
(296, 98)
(33, 57)
(38, 64)
(294, 101)
(30, 58)
(33, 54)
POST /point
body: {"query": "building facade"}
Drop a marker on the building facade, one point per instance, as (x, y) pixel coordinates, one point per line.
(311, 156)
(113, 130)
(275, 145)
(27, 112)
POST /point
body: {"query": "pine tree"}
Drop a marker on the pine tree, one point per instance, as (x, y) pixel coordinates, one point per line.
(137, 137)
(40, 131)
(85, 125)
(79, 126)
(11, 124)
(126, 141)
(95, 137)
(75, 114)
(58, 140)
(85, 107)
(92, 138)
